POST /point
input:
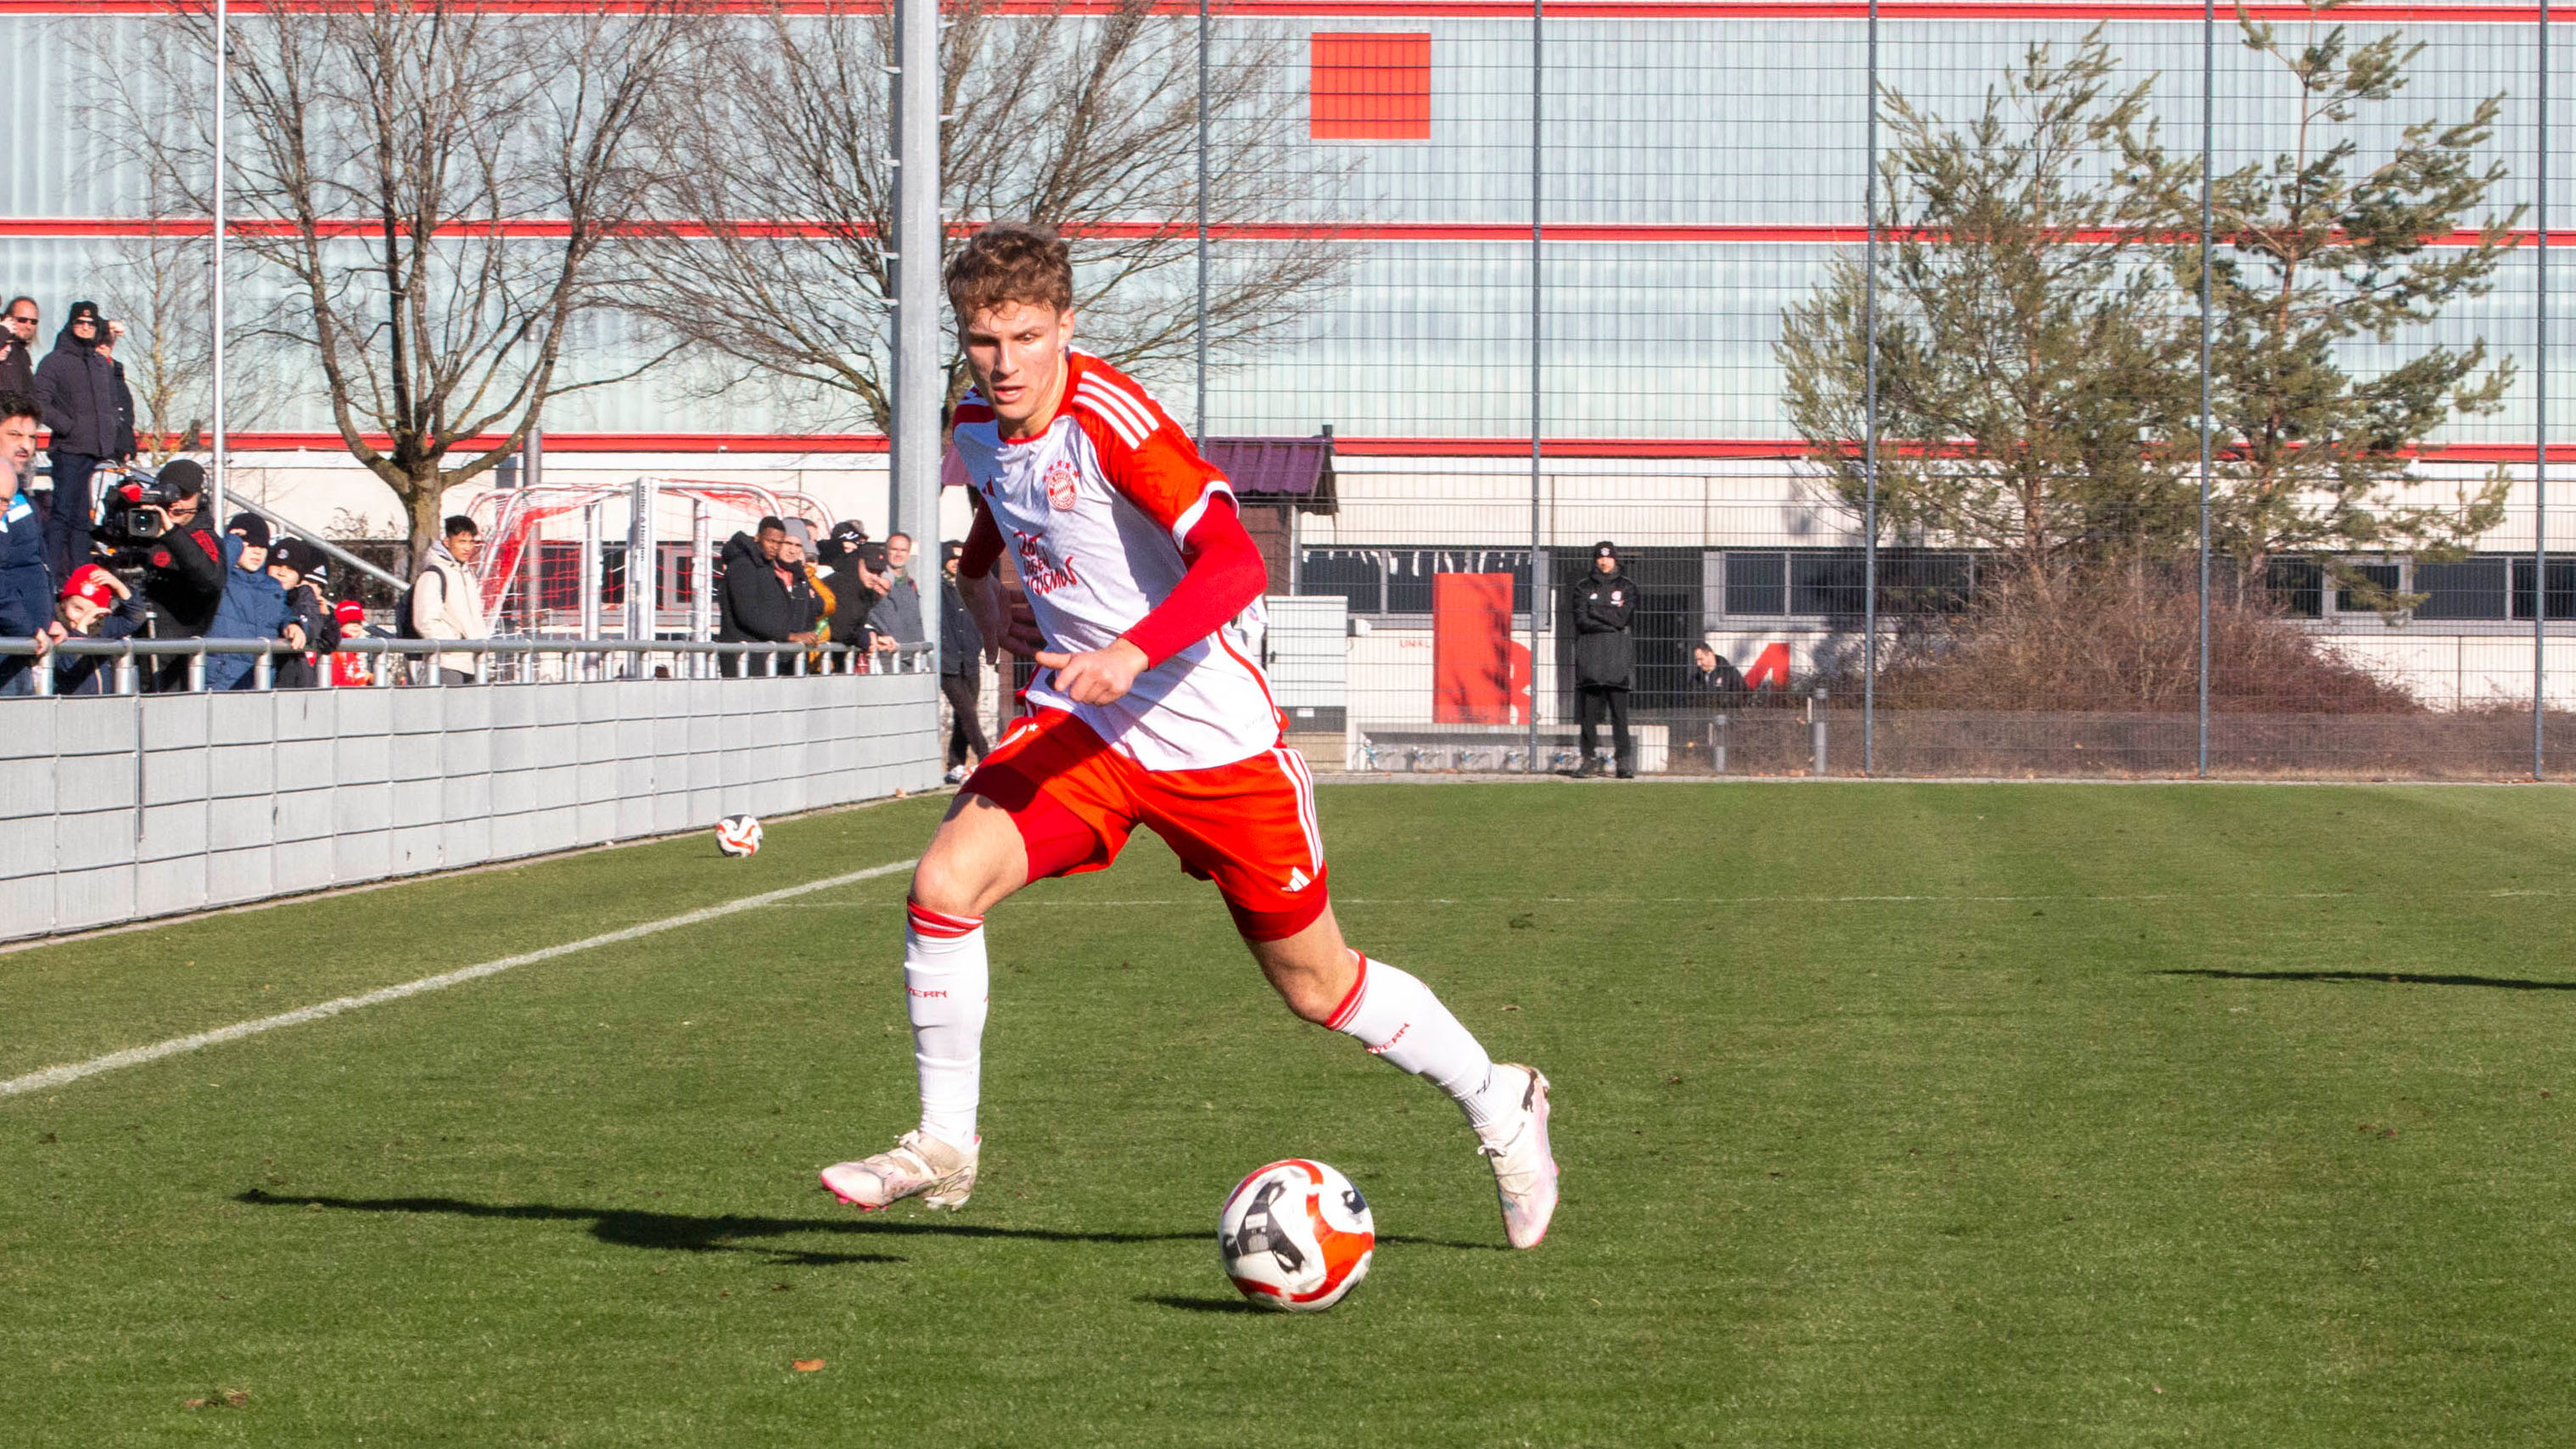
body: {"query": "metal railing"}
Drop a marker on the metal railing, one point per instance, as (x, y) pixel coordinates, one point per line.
(496, 661)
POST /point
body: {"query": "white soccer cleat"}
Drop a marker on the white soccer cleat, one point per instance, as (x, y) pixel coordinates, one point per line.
(918, 1163)
(1524, 1167)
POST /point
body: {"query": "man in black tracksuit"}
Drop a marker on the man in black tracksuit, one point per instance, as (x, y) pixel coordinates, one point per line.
(1604, 657)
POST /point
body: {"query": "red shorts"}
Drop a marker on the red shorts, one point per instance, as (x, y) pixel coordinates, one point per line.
(1248, 826)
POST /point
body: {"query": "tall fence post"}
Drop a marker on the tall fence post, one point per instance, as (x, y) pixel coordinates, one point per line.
(1869, 423)
(2208, 131)
(702, 583)
(223, 79)
(639, 565)
(2540, 425)
(1538, 587)
(1198, 409)
(920, 382)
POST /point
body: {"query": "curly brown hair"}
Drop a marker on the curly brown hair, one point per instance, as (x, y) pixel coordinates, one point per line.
(1007, 262)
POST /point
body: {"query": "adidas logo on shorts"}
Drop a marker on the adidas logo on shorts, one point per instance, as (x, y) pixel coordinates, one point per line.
(1297, 878)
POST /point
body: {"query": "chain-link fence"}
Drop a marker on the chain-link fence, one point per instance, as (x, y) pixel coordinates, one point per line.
(1875, 345)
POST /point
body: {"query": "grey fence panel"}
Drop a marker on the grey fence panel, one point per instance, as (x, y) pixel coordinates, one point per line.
(124, 808)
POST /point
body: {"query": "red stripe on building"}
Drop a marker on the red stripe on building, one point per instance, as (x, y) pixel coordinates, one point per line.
(2068, 10)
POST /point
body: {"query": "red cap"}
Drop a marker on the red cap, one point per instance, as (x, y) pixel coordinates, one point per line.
(93, 583)
(351, 612)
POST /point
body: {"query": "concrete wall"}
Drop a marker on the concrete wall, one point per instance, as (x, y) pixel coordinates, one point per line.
(247, 796)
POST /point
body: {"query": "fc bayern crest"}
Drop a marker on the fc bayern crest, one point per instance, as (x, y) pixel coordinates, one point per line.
(1060, 485)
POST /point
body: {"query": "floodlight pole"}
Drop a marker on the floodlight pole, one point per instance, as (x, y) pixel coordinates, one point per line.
(2208, 126)
(920, 383)
(1538, 587)
(1198, 410)
(223, 80)
(1869, 424)
(2540, 438)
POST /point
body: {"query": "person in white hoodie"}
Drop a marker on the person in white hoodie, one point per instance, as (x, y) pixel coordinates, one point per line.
(447, 600)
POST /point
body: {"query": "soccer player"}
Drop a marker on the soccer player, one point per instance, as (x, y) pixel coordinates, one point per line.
(1148, 710)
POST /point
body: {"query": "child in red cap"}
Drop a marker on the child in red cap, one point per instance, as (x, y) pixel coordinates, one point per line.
(95, 604)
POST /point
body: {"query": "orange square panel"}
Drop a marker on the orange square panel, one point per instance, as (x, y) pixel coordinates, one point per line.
(1369, 86)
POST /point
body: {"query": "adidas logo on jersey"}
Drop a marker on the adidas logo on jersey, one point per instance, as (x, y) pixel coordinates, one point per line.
(1297, 878)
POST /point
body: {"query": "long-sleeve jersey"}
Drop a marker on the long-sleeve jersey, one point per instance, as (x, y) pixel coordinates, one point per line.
(1119, 529)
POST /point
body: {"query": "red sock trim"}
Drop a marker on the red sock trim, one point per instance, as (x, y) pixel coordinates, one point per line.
(1341, 1016)
(927, 922)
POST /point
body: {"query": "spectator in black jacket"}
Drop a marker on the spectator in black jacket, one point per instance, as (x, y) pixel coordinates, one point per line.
(298, 568)
(122, 446)
(18, 346)
(1711, 675)
(855, 586)
(26, 587)
(183, 570)
(1605, 655)
(961, 667)
(96, 604)
(77, 385)
(761, 600)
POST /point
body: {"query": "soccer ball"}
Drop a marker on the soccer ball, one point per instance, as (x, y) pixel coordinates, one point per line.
(738, 835)
(1296, 1236)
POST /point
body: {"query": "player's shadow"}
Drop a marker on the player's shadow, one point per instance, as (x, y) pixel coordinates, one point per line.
(694, 1233)
(2384, 978)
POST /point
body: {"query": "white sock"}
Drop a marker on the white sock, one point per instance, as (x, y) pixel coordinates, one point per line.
(1396, 1017)
(946, 986)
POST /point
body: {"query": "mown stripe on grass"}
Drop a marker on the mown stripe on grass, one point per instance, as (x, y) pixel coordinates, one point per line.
(136, 1056)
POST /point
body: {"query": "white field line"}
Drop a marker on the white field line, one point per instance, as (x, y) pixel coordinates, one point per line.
(136, 1056)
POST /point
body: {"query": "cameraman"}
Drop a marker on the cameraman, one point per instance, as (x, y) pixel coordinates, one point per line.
(182, 563)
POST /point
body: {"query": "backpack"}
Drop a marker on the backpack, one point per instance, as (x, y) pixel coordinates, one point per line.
(404, 628)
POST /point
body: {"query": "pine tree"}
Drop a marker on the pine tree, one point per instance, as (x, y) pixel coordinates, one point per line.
(2313, 252)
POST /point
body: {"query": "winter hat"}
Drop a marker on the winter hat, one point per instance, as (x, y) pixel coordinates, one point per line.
(252, 528)
(1605, 549)
(300, 556)
(94, 584)
(183, 476)
(351, 611)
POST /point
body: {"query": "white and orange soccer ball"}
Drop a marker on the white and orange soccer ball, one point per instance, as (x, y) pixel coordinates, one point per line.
(1296, 1236)
(738, 835)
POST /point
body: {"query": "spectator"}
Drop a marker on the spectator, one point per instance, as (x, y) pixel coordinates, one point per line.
(759, 599)
(183, 569)
(298, 568)
(123, 445)
(96, 604)
(806, 591)
(1710, 674)
(348, 667)
(77, 385)
(26, 586)
(253, 607)
(855, 586)
(897, 617)
(18, 347)
(961, 668)
(1604, 656)
(447, 600)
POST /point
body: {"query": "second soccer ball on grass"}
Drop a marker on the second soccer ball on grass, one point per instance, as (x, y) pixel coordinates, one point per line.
(1296, 1236)
(738, 835)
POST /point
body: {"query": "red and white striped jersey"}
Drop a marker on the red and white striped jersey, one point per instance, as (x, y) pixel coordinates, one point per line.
(1093, 511)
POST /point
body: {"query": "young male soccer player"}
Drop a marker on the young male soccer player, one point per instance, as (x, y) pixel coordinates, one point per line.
(1149, 711)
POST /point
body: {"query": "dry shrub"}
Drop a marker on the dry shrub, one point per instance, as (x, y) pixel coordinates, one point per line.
(2124, 639)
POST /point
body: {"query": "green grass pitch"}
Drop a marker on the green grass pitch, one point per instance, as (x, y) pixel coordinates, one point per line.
(1889, 1115)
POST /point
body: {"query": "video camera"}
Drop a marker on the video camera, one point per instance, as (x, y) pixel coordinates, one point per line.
(134, 508)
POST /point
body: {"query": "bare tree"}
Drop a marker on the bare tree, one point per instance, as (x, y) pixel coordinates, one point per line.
(1088, 122)
(433, 185)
